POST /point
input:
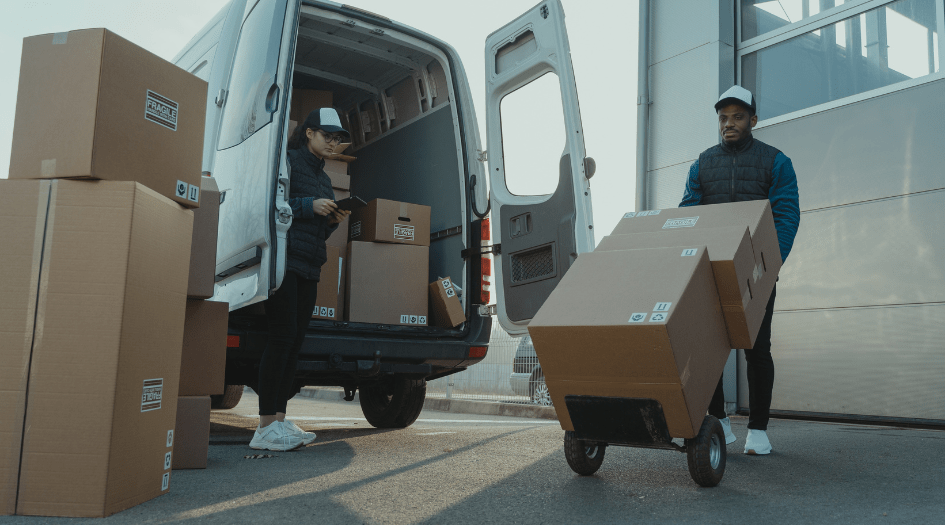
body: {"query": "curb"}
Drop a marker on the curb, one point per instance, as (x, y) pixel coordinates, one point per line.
(459, 406)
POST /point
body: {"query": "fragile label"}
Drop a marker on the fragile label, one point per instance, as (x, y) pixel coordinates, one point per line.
(194, 194)
(637, 317)
(629, 215)
(161, 110)
(413, 319)
(662, 307)
(181, 189)
(685, 222)
(450, 292)
(689, 252)
(170, 438)
(657, 317)
(355, 229)
(647, 213)
(167, 461)
(151, 394)
(165, 481)
(324, 311)
(403, 231)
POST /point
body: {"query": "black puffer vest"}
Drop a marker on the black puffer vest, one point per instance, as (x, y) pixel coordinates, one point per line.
(740, 172)
(305, 253)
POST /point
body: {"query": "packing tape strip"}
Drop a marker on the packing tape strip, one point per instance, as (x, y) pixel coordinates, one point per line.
(60, 38)
(47, 168)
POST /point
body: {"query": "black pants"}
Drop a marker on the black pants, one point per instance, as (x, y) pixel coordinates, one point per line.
(760, 377)
(288, 313)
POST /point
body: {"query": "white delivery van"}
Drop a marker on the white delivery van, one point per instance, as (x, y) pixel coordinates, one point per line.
(406, 99)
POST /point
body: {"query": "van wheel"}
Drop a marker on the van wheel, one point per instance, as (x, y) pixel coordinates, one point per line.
(228, 399)
(393, 404)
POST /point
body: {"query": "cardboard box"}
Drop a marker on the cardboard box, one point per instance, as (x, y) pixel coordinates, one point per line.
(203, 250)
(339, 181)
(733, 263)
(338, 164)
(92, 105)
(105, 356)
(445, 308)
(387, 283)
(329, 287)
(339, 237)
(304, 101)
(203, 354)
(391, 221)
(635, 323)
(191, 433)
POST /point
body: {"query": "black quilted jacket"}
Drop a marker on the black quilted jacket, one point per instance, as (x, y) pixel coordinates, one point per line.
(306, 253)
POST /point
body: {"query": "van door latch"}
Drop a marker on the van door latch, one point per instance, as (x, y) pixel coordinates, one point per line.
(486, 310)
(495, 249)
(221, 98)
(482, 155)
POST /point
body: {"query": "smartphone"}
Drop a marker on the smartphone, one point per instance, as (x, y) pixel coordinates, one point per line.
(351, 203)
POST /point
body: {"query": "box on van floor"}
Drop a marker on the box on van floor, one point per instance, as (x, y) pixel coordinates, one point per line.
(329, 287)
(388, 221)
(733, 262)
(445, 308)
(101, 272)
(191, 432)
(635, 324)
(203, 251)
(203, 353)
(91, 104)
(339, 237)
(387, 283)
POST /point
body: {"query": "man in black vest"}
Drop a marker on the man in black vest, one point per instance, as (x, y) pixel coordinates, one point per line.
(742, 168)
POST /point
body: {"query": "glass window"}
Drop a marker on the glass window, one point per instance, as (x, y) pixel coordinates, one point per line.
(533, 136)
(762, 16)
(254, 70)
(883, 46)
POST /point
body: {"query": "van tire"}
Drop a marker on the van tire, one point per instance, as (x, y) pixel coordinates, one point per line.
(393, 404)
(228, 399)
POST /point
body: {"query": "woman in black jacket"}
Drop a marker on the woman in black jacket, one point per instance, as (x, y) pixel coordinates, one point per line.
(289, 310)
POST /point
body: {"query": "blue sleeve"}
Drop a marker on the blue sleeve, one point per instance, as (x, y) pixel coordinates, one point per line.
(302, 207)
(693, 193)
(785, 204)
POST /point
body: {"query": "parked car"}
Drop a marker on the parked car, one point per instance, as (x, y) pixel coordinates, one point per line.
(527, 378)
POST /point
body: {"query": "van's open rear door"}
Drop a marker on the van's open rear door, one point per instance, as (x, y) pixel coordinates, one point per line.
(540, 235)
(249, 165)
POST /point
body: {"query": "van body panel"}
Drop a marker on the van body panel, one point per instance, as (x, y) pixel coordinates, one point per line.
(541, 235)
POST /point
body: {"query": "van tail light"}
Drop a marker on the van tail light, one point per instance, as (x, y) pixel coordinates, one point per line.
(477, 352)
(232, 341)
(485, 237)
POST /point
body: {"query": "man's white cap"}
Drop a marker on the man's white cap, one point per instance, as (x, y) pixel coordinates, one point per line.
(737, 95)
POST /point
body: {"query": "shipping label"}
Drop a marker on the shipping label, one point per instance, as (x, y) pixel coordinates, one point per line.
(355, 230)
(165, 481)
(181, 189)
(629, 215)
(662, 307)
(685, 222)
(413, 319)
(170, 438)
(638, 317)
(657, 317)
(167, 461)
(324, 311)
(161, 110)
(688, 252)
(151, 394)
(403, 231)
(448, 287)
(193, 194)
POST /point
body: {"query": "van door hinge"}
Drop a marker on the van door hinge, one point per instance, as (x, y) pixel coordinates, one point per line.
(483, 155)
(486, 310)
(495, 249)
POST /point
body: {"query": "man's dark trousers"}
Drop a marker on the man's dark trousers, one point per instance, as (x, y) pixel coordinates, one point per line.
(760, 377)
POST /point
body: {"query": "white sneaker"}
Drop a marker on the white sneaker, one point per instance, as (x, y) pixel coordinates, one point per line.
(292, 428)
(727, 427)
(757, 443)
(275, 437)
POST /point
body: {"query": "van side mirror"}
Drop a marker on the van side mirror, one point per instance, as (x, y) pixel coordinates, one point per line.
(590, 166)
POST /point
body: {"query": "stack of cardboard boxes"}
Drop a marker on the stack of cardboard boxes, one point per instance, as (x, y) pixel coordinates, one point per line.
(654, 311)
(96, 276)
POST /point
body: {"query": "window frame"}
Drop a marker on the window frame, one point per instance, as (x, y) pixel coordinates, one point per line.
(821, 20)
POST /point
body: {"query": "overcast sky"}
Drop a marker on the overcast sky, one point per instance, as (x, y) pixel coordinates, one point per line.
(603, 36)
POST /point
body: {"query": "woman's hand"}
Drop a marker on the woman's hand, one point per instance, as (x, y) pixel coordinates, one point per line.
(324, 207)
(338, 216)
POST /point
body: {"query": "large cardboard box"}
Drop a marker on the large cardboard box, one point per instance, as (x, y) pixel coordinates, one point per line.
(329, 286)
(203, 251)
(338, 164)
(756, 215)
(391, 221)
(104, 356)
(93, 105)
(191, 433)
(339, 237)
(339, 181)
(635, 324)
(733, 264)
(387, 283)
(203, 353)
(304, 101)
(445, 308)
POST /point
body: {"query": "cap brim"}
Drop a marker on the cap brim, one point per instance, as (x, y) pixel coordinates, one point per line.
(732, 100)
(337, 129)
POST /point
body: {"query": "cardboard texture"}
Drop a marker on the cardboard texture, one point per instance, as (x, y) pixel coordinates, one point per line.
(387, 283)
(203, 353)
(445, 308)
(733, 262)
(191, 433)
(92, 105)
(105, 356)
(635, 323)
(391, 221)
(337, 165)
(339, 237)
(329, 286)
(339, 181)
(203, 248)
(304, 101)
(23, 205)
(757, 216)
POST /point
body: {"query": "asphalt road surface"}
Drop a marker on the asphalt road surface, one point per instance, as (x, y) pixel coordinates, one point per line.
(461, 468)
